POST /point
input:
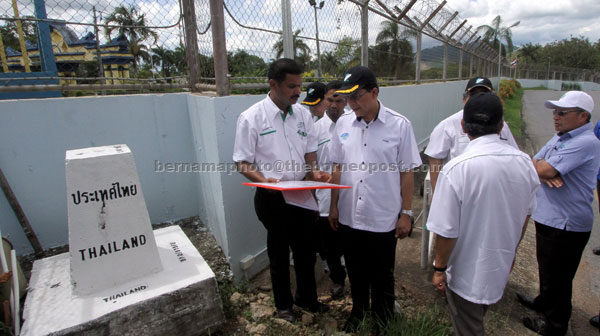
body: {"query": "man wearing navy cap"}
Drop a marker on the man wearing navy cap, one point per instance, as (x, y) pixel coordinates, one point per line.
(447, 140)
(567, 165)
(374, 150)
(479, 213)
(315, 99)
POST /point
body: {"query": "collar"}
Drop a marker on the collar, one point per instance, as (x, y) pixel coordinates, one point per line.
(381, 115)
(483, 140)
(575, 132)
(273, 110)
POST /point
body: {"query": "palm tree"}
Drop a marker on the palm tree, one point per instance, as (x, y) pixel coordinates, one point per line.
(392, 41)
(133, 25)
(301, 50)
(495, 32)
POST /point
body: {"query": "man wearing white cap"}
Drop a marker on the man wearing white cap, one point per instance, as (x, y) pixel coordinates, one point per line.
(567, 166)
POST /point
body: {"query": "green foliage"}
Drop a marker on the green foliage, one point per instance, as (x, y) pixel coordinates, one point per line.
(574, 52)
(512, 106)
(495, 33)
(570, 86)
(10, 36)
(242, 64)
(226, 289)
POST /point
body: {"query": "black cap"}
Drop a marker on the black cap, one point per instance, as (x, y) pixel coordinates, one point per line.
(315, 92)
(357, 78)
(479, 82)
(483, 108)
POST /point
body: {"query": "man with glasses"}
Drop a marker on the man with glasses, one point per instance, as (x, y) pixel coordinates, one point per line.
(567, 166)
(448, 140)
(374, 150)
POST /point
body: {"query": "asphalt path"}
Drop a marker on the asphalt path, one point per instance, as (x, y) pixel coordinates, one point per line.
(539, 128)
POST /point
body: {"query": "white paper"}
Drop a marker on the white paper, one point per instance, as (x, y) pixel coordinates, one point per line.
(301, 198)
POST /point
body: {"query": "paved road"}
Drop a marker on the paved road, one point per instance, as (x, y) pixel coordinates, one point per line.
(586, 287)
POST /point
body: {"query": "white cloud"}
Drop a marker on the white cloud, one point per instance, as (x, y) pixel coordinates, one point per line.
(542, 21)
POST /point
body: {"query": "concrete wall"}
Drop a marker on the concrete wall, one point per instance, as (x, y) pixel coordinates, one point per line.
(35, 133)
(169, 128)
(556, 84)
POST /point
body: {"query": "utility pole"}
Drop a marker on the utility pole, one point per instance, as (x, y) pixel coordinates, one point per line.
(313, 3)
(98, 54)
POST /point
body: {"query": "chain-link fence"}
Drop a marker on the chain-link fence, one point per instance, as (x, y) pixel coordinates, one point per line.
(100, 46)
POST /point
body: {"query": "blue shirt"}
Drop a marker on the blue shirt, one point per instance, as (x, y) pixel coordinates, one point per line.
(576, 156)
(597, 132)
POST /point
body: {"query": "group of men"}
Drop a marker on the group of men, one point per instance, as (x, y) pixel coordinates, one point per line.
(483, 198)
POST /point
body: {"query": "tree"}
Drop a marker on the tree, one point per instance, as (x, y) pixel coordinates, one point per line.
(393, 45)
(243, 64)
(494, 33)
(10, 37)
(530, 53)
(133, 26)
(301, 49)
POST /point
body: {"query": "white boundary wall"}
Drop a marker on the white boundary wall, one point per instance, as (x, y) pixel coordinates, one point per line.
(164, 128)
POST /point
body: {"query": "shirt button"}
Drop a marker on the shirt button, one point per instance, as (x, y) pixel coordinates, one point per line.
(360, 181)
(360, 198)
(365, 145)
(367, 126)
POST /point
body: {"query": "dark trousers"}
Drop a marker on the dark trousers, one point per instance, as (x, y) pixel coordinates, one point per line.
(558, 256)
(370, 259)
(331, 250)
(288, 227)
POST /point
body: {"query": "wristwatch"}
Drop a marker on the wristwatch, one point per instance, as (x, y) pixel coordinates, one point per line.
(407, 212)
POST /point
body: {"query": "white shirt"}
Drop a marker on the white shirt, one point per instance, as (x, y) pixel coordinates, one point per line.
(275, 146)
(324, 128)
(448, 140)
(482, 197)
(372, 157)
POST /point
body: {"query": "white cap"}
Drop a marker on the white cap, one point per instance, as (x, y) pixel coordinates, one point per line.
(572, 99)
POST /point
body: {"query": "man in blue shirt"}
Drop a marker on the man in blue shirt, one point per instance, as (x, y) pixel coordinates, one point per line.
(567, 166)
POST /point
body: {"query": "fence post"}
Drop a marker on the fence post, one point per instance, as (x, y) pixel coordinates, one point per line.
(217, 20)
(460, 63)
(418, 58)
(47, 61)
(287, 37)
(191, 43)
(364, 34)
(445, 63)
(471, 65)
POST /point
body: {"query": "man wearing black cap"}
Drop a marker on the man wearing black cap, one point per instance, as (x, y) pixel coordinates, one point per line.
(315, 99)
(448, 139)
(479, 212)
(374, 150)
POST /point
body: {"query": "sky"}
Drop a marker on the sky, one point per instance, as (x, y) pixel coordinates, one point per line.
(542, 21)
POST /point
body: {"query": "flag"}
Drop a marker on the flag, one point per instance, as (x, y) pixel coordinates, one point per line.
(514, 63)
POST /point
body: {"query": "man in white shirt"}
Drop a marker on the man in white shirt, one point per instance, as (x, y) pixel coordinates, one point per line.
(480, 210)
(274, 140)
(315, 100)
(374, 150)
(448, 140)
(330, 249)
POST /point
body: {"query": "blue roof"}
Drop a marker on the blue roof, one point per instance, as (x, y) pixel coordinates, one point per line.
(89, 39)
(12, 52)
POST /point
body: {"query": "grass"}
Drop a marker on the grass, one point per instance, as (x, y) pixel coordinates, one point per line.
(512, 113)
(429, 322)
(541, 87)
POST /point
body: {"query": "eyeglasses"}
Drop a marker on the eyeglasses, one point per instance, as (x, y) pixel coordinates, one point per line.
(356, 96)
(563, 113)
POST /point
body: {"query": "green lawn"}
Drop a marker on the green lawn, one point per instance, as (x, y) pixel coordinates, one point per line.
(512, 113)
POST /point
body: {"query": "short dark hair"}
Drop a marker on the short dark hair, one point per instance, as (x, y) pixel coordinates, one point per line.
(477, 130)
(334, 85)
(281, 67)
(482, 114)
